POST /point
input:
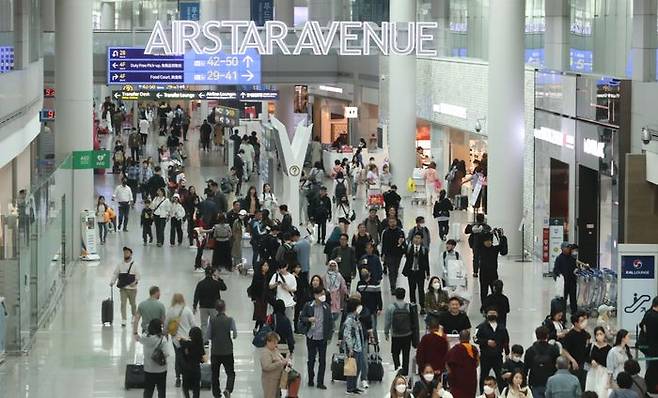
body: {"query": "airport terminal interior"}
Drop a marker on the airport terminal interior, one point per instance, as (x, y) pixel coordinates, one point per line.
(310, 198)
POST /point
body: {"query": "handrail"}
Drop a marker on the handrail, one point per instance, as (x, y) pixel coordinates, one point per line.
(18, 113)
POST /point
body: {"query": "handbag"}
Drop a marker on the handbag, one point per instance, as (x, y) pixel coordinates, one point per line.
(126, 278)
(158, 356)
(172, 326)
(211, 243)
(349, 369)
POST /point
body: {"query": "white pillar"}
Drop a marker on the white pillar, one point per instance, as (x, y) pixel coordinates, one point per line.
(222, 9)
(240, 10)
(557, 34)
(644, 40)
(506, 123)
(284, 11)
(21, 34)
(402, 102)
(74, 69)
(476, 36)
(108, 10)
(207, 11)
(285, 109)
(321, 11)
(48, 15)
(125, 19)
(441, 15)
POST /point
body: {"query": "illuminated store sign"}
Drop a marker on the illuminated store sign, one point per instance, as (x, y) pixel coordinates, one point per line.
(354, 38)
(555, 137)
(594, 148)
(450, 110)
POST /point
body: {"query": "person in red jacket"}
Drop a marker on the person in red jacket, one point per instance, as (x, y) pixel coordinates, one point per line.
(462, 363)
(432, 348)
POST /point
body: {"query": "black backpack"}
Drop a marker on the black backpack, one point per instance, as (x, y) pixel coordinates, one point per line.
(341, 189)
(402, 320)
(543, 364)
(225, 185)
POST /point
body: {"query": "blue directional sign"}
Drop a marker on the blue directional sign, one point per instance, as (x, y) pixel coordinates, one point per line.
(581, 60)
(262, 11)
(223, 68)
(129, 65)
(189, 10)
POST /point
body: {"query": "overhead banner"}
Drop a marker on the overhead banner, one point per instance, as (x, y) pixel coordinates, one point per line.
(262, 11)
(143, 95)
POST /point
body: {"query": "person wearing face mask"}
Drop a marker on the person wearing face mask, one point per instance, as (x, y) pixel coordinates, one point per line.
(490, 389)
(432, 348)
(462, 363)
(493, 340)
(499, 300)
(566, 265)
(399, 326)
(371, 295)
(574, 346)
(513, 363)
(427, 383)
(316, 323)
(399, 388)
(436, 299)
(354, 342)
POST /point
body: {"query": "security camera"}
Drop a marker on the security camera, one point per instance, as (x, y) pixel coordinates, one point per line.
(478, 126)
(649, 134)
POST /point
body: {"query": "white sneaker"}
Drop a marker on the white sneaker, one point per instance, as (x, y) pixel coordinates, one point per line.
(364, 384)
(192, 247)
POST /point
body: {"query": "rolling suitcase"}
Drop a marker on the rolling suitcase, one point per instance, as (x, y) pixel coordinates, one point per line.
(337, 365)
(375, 365)
(455, 232)
(135, 373)
(107, 309)
(206, 376)
(461, 202)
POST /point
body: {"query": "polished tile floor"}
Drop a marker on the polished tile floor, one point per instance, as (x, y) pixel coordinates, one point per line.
(77, 357)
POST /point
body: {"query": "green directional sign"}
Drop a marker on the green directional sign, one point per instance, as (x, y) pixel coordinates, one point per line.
(91, 159)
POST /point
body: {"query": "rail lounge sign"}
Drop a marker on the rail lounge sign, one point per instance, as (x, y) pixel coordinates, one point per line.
(354, 38)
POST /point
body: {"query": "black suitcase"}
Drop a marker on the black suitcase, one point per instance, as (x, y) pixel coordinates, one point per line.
(107, 309)
(134, 376)
(375, 365)
(337, 367)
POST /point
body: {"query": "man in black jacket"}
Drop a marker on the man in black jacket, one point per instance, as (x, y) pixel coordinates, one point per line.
(237, 140)
(317, 325)
(322, 213)
(206, 294)
(417, 269)
(156, 182)
(393, 248)
(475, 233)
(493, 340)
(650, 326)
(565, 265)
(392, 199)
(489, 260)
(540, 361)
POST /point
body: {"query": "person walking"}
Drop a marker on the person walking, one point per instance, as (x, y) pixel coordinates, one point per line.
(393, 247)
(493, 339)
(488, 255)
(371, 262)
(649, 325)
(193, 355)
(222, 233)
(563, 384)
(302, 249)
(157, 351)
(619, 354)
(286, 286)
(598, 376)
(284, 328)
(436, 299)
(317, 325)
(102, 218)
(371, 296)
(161, 209)
(398, 329)
(337, 288)
(422, 230)
(498, 300)
(354, 343)
(177, 216)
(441, 213)
(540, 361)
(454, 320)
(462, 361)
(206, 294)
(346, 258)
(179, 320)
(433, 348)
(322, 213)
(272, 364)
(574, 346)
(148, 310)
(126, 277)
(123, 195)
(475, 232)
(237, 233)
(221, 332)
(417, 270)
(259, 294)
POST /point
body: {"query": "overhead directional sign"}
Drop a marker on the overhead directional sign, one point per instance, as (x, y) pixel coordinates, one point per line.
(259, 95)
(164, 95)
(130, 65)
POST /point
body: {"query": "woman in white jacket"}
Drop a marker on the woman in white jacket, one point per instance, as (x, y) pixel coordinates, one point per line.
(161, 207)
(177, 215)
(268, 200)
(179, 321)
(155, 374)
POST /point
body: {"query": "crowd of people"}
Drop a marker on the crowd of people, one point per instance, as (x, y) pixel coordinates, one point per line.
(365, 259)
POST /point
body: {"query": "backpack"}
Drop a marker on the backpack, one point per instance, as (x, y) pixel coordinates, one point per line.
(402, 320)
(543, 363)
(341, 189)
(225, 185)
(445, 253)
(158, 356)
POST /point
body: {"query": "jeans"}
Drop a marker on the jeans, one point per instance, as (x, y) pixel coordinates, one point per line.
(416, 282)
(443, 228)
(401, 345)
(393, 265)
(128, 295)
(538, 391)
(351, 380)
(102, 231)
(160, 223)
(178, 360)
(124, 210)
(147, 232)
(192, 382)
(176, 229)
(198, 258)
(134, 153)
(153, 380)
(316, 347)
(486, 364)
(190, 228)
(227, 361)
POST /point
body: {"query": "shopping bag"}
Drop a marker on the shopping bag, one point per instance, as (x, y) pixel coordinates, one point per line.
(411, 185)
(349, 369)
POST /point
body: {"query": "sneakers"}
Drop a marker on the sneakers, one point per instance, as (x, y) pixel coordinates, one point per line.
(322, 387)
(364, 384)
(353, 392)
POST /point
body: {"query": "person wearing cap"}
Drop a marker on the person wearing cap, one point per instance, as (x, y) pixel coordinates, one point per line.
(177, 215)
(565, 265)
(489, 261)
(126, 276)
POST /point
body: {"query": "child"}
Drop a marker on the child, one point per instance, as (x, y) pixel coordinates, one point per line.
(513, 363)
(146, 221)
(449, 254)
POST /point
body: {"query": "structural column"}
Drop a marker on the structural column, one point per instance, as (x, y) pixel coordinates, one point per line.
(644, 40)
(321, 11)
(108, 10)
(74, 85)
(402, 101)
(506, 122)
(240, 10)
(557, 34)
(441, 15)
(222, 10)
(285, 110)
(284, 11)
(22, 34)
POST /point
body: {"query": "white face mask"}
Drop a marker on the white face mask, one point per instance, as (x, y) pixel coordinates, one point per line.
(401, 388)
(359, 309)
(516, 359)
(322, 298)
(436, 286)
(428, 377)
(488, 390)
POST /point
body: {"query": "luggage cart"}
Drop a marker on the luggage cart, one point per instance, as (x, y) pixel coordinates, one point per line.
(419, 196)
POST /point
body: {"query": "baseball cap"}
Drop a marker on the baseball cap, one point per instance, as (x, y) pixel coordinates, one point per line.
(242, 212)
(126, 248)
(565, 245)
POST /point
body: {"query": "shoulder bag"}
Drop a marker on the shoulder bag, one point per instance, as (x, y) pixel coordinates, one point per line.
(158, 356)
(173, 324)
(126, 278)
